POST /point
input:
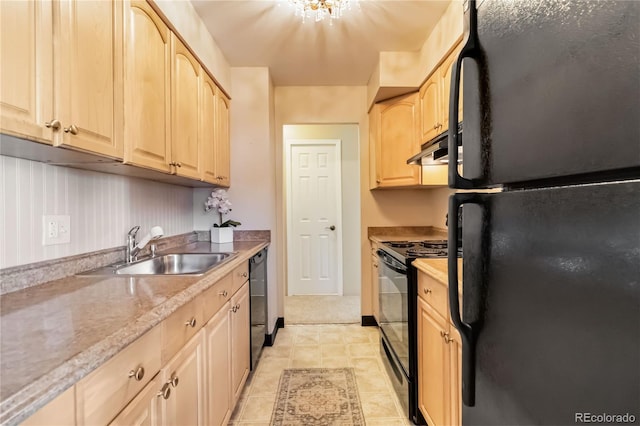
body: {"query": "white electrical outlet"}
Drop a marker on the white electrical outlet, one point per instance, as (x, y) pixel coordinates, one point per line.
(56, 229)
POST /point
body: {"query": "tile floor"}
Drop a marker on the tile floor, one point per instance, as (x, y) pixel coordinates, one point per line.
(325, 345)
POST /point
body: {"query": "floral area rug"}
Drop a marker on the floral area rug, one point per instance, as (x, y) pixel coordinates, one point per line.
(318, 397)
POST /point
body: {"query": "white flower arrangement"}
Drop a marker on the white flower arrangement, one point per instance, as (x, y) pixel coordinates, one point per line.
(218, 200)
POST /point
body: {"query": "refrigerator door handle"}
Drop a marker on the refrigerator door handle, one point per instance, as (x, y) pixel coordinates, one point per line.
(468, 332)
(471, 49)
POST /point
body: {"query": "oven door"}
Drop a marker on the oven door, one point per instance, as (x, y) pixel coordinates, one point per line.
(394, 306)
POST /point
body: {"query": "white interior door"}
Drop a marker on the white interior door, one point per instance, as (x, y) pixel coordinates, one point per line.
(314, 232)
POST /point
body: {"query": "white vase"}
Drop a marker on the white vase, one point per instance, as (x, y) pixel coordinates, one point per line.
(221, 235)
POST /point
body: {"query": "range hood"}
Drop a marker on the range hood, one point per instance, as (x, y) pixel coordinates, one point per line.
(436, 151)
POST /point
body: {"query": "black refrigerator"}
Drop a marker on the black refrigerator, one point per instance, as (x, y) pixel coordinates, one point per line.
(550, 315)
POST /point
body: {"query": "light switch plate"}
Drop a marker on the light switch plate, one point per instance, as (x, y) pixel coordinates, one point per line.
(56, 229)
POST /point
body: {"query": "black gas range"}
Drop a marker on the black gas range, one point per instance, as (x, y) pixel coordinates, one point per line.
(404, 250)
(397, 297)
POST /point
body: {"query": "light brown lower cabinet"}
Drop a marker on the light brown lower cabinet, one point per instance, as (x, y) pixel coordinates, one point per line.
(439, 360)
(144, 410)
(59, 412)
(217, 341)
(198, 386)
(240, 340)
(184, 376)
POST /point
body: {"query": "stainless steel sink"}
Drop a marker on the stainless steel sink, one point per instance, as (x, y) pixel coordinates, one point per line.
(167, 264)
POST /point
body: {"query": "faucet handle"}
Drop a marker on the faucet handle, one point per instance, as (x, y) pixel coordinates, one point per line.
(133, 231)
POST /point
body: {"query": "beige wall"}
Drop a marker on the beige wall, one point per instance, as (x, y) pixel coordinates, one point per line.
(314, 105)
(311, 105)
(398, 73)
(253, 190)
(442, 39)
(350, 166)
(184, 18)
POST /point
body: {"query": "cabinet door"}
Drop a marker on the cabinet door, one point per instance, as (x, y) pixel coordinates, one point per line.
(455, 377)
(184, 110)
(89, 76)
(60, 411)
(375, 288)
(144, 409)
(433, 356)
(374, 160)
(207, 113)
(147, 124)
(397, 140)
(218, 360)
(240, 332)
(185, 373)
(445, 87)
(430, 108)
(26, 69)
(223, 142)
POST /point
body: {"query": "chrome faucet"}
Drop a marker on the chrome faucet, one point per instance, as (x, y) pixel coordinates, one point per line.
(133, 248)
(131, 253)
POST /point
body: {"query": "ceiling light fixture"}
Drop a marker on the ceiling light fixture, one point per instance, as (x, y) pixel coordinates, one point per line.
(318, 10)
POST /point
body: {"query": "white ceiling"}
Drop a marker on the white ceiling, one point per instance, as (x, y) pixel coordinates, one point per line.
(266, 33)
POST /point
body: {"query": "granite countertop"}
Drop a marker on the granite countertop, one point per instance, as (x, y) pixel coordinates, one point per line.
(438, 269)
(406, 233)
(54, 334)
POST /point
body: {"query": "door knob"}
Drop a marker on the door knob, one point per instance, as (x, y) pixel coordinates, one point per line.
(332, 228)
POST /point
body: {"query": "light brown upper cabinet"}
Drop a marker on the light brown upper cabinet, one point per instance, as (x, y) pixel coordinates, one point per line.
(78, 108)
(223, 142)
(147, 88)
(434, 99)
(26, 67)
(430, 108)
(214, 133)
(394, 127)
(88, 70)
(185, 90)
(208, 103)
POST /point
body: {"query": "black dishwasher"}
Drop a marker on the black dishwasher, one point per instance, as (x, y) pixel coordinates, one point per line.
(258, 290)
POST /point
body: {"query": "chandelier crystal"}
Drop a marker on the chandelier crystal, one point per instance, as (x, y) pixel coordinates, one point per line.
(318, 10)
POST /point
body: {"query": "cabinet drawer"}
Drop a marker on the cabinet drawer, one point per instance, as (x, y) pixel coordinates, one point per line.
(216, 296)
(240, 276)
(434, 293)
(181, 326)
(106, 391)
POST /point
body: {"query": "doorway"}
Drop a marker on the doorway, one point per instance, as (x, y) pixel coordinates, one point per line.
(322, 190)
(314, 237)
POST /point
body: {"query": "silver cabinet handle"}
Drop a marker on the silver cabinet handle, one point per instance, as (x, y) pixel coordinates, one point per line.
(53, 124)
(73, 129)
(173, 381)
(331, 228)
(223, 293)
(191, 323)
(137, 374)
(244, 275)
(165, 392)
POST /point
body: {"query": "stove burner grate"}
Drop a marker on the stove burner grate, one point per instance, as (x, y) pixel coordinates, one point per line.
(435, 244)
(427, 252)
(400, 244)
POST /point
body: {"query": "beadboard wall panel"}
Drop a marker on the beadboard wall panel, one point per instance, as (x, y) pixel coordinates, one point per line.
(102, 207)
